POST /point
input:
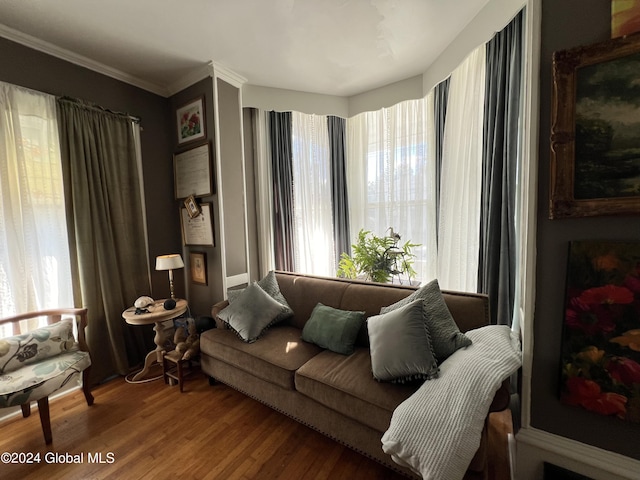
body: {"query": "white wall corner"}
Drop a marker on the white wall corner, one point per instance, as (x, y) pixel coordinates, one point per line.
(534, 447)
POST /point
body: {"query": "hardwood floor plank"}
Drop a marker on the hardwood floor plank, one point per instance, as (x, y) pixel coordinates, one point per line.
(207, 432)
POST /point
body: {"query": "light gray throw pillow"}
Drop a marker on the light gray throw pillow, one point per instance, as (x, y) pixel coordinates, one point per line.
(252, 312)
(400, 346)
(270, 285)
(446, 337)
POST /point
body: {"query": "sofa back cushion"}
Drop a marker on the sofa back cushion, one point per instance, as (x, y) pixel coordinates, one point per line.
(303, 292)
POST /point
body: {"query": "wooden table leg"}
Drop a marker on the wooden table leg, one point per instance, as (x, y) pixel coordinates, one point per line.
(154, 356)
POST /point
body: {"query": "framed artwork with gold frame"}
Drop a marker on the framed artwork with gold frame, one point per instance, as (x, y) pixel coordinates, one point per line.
(595, 130)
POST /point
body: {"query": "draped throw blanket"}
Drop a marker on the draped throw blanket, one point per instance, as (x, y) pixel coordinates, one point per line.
(436, 432)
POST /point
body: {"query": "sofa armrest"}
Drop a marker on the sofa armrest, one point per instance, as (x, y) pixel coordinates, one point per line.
(502, 398)
(216, 309)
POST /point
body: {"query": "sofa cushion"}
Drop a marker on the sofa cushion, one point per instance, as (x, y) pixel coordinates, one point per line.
(333, 328)
(400, 345)
(446, 337)
(303, 294)
(344, 384)
(36, 345)
(275, 358)
(252, 312)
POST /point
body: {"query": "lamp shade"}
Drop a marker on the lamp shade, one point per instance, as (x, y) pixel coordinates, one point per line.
(169, 262)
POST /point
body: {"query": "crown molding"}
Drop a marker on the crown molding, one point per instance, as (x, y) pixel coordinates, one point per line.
(194, 76)
(228, 75)
(63, 54)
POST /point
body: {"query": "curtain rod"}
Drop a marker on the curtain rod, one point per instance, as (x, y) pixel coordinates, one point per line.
(98, 108)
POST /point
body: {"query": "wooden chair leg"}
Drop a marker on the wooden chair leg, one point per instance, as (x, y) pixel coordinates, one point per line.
(45, 420)
(86, 386)
(26, 409)
(180, 375)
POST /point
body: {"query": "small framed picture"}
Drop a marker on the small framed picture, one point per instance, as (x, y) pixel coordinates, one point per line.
(193, 209)
(190, 121)
(198, 264)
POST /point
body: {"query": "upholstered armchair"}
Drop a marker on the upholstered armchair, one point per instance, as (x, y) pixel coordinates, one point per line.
(34, 364)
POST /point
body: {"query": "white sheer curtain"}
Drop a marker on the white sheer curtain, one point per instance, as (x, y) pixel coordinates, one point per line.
(34, 253)
(461, 179)
(313, 217)
(391, 177)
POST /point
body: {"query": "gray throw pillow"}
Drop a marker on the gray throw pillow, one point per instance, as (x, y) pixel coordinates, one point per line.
(270, 285)
(333, 329)
(252, 312)
(400, 345)
(446, 337)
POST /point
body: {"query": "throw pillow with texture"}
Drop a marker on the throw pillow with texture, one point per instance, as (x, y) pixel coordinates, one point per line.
(36, 345)
(333, 329)
(252, 312)
(401, 349)
(270, 285)
(446, 337)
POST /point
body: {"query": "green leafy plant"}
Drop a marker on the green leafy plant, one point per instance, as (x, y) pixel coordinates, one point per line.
(378, 259)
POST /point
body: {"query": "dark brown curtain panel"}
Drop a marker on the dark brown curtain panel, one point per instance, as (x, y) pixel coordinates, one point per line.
(106, 230)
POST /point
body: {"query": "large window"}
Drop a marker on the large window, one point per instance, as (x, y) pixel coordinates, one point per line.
(34, 254)
(391, 177)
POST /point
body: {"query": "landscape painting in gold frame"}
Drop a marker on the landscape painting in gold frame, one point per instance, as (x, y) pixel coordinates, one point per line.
(595, 130)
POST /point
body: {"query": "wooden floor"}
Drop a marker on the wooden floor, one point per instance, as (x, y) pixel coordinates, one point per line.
(151, 431)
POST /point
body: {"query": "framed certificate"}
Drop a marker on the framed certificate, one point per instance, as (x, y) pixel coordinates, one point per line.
(192, 172)
(197, 230)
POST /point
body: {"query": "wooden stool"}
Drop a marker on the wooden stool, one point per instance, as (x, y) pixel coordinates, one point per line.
(173, 367)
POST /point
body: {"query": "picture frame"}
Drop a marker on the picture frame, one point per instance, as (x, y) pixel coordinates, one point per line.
(197, 230)
(190, 121)
(595, 137)
(193, 209)
(198, 267)
(192, 172)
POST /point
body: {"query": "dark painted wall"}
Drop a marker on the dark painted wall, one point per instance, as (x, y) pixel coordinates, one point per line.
(38, 71)
(566, 24)
(201, 297)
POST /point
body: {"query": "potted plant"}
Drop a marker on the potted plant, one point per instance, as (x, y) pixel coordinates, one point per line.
(378, 259)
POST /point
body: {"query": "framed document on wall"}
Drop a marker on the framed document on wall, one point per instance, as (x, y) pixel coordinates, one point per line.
(197, 230)
(198, 265)
(192, 172)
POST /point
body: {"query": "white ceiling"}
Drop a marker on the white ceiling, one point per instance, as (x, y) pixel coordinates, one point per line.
(336, 47)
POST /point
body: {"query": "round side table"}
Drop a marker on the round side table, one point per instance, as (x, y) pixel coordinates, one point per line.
(157, 314)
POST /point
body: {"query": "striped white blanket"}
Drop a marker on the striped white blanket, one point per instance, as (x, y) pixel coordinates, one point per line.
(436, 432)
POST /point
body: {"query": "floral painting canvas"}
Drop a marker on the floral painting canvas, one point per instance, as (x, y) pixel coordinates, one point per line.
(601, 335)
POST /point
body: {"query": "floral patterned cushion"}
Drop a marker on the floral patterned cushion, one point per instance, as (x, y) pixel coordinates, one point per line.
(36, 345)
(34, 381)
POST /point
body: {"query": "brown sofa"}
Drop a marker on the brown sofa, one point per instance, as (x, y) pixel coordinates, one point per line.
(332, 393)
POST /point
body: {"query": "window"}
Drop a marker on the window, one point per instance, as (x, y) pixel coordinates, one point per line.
(391, 177)
(34, 253)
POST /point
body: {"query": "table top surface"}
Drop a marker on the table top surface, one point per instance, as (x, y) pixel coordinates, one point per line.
(157, 312)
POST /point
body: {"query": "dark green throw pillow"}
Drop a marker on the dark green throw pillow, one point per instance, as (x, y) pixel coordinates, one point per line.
(333, 329)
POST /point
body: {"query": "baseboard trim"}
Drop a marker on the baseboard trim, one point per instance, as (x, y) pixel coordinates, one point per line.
(586, 454)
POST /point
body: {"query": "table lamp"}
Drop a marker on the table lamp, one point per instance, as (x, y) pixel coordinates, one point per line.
(169, 262)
